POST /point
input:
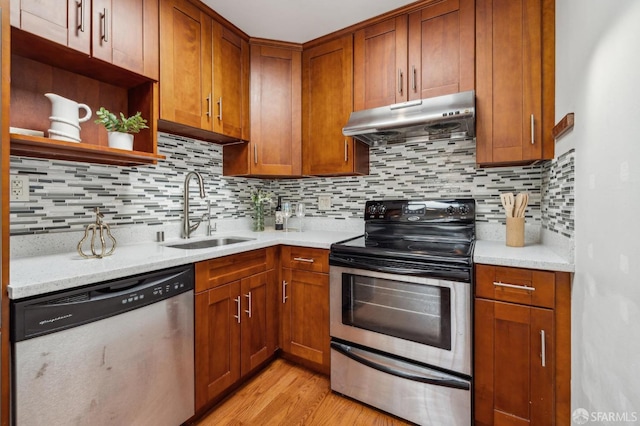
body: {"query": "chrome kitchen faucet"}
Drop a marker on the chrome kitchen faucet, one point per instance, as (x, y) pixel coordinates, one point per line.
(187, 228)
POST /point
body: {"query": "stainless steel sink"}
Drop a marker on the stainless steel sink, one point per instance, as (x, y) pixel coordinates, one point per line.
(208, 243)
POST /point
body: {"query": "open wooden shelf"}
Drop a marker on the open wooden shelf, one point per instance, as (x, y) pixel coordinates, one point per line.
(35, 146)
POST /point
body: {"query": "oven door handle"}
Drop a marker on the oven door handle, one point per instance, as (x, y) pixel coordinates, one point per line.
(401, 369)
(379, 268)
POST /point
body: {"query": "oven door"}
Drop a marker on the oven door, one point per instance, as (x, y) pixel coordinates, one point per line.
(421, 319)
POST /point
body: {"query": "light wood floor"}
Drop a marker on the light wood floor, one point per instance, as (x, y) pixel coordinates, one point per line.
(286, 394)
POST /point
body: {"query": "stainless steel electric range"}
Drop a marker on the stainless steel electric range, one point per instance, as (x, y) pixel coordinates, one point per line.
(400, 310)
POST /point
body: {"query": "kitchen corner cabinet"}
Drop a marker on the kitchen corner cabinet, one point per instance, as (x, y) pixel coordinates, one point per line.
(426, 53)
(204, 75)
(235, 320)
(122, 33)
(522, 346)
(274, 149)
(304, 324)
(515, 51)
(41, 64)
(327, 102)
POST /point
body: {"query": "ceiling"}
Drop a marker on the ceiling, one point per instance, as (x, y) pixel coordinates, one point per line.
(299, 21)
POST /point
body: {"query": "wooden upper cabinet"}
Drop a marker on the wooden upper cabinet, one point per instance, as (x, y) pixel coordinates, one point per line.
(380, 64)
(327, 102)
(68, 26)
(275, 144)
(204, 75)
(515, 81)
(185, 64)
(121, 32)
(230, 103)
(125, 33)
(441, 49)
(429, 52)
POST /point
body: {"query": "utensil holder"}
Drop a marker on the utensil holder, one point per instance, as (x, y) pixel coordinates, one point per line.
(515, 231)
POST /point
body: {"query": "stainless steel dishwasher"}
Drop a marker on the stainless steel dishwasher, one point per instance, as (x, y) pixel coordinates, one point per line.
(115, 353)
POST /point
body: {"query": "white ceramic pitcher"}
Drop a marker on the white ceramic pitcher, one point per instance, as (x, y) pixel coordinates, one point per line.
(65, 118)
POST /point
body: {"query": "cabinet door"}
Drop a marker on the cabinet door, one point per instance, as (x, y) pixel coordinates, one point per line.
(230, 102)
(380, 64)
(185, 64)
(514, 364)
(125, 32)
(259, 316)
(69, 25)
(441, 49)
(217, 341)
(276, 134)
(327, 101)
(514, 85)
(305, 316)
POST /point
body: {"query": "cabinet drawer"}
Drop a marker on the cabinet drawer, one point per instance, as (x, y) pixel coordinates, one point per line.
(305, 258)
(215, 272)
(525, 286)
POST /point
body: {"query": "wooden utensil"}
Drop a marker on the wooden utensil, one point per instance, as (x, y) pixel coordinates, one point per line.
(518, 210)
(522, 206)
(507, 203)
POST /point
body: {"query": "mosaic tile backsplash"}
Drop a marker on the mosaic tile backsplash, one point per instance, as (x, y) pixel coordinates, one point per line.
(64, 194)
(558, 199)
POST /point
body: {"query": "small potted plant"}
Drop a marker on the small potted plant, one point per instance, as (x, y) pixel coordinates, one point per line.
(120, 129)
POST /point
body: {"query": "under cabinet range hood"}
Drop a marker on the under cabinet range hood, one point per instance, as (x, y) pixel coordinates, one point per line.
(447, 117)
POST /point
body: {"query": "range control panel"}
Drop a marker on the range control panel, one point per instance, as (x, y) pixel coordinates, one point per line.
(454, 210)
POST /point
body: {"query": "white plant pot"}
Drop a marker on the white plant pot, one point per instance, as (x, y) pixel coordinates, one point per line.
(120, 140)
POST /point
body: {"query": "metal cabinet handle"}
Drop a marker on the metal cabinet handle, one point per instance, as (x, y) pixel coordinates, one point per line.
(220, 105)
(284, 291)
(543, 349)
(209, 105)
(519, 287)
(248, 311)
(533, 129)
(80, 7)
(303, 259)
(346, 151)
(255, 153)
(413, 78)
(400, 83)
(237, 300)
(105, 24)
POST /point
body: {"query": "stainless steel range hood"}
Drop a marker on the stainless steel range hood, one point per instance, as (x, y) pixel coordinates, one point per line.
(447, 117)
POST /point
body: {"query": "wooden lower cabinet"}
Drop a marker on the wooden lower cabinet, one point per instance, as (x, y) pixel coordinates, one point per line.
(304, 314)
(522, 347)
(235, 327)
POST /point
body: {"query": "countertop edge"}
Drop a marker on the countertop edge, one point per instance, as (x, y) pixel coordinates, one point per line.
(53, 273)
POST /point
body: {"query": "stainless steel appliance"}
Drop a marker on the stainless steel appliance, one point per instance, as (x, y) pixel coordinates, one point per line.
(400, 310)
(118, 353)
(443, 117)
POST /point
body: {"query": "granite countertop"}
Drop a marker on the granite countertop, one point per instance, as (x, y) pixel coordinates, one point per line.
(31, 276)
(533, 256)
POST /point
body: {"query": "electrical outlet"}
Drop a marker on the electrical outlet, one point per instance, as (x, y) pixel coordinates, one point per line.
(19, 188)
(324, 202)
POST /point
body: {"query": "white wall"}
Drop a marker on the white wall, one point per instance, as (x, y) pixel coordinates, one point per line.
(598, 78)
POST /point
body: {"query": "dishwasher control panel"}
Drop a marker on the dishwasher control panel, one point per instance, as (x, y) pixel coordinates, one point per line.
(54, 312)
